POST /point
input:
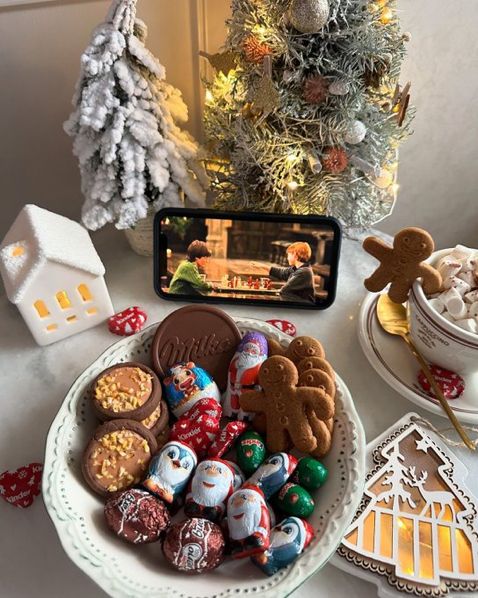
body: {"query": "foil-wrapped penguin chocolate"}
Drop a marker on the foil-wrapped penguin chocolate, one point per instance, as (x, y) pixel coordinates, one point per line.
(289, 539)
(274, 473)
(211, 486)
(248, 521)
(170, 470)
(244, 372)
(186, 384)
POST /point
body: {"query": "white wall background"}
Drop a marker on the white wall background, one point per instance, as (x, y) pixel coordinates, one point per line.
(40, 47)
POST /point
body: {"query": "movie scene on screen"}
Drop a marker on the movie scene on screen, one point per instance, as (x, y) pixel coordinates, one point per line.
(284, 262)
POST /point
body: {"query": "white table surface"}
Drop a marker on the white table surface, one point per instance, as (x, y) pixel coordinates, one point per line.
(35, 381)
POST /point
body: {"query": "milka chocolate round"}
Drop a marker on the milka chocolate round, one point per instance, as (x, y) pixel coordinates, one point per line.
(194, 546)
(117, 456)
(136, 516)
(201, 334)
(126, 390)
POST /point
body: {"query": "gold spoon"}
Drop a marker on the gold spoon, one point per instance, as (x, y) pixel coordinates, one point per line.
(393, 319)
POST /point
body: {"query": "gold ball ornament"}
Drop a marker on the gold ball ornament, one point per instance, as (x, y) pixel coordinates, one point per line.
(309, 16)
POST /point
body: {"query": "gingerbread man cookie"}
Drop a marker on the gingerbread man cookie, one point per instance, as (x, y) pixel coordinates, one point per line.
(316, 363)
(402, 264)
(284, 405)
(300, 348)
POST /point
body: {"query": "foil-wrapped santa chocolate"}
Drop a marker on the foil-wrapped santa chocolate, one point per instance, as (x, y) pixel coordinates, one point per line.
(248, 522)
(213, 482)
(274, 473)
(170, 470)
(186, 384)
(289, 539)
(244, 372)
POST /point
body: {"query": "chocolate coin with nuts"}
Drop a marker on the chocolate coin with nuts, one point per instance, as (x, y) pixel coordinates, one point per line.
(127, 390)
(117, 456)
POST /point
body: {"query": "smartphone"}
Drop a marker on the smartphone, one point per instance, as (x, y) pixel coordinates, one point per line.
(260, 259)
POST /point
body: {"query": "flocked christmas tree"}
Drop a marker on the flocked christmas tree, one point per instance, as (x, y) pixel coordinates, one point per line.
(126, 128)
(305, 113)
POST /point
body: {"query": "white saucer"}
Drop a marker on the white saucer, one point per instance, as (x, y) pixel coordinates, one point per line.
(391, 359)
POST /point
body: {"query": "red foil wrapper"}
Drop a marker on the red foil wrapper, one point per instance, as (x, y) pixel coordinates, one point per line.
(194, 546)
(136, 516)
(451, 384)
(226, 438)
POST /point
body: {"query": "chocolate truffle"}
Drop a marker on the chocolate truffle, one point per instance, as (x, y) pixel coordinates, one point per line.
(194, 546)
(127, 390)
(136, 516)
(117, 456)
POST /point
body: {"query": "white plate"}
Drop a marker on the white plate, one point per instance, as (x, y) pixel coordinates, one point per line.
(125, 571)
(391, 359)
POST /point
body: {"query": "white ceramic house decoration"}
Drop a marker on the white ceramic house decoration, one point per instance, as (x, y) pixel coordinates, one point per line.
(53, 274)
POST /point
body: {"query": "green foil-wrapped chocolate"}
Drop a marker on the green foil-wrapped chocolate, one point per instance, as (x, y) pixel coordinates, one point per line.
(310, 473)
(250, 452)
(295, 500)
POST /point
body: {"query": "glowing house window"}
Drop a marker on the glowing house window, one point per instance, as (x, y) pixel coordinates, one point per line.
(85, 293)
(63, 300)
(41, 308)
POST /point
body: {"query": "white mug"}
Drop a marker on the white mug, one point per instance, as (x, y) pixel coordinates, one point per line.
(440, 341)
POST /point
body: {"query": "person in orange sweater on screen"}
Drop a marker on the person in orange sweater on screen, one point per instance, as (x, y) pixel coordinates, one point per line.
(299, 276)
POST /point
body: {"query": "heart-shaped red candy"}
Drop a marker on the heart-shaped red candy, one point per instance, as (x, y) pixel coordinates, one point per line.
(20, 487)
(284, 326)
(198, 434)
(128, 322)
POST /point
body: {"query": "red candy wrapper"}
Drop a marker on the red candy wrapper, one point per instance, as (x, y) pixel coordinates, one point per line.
(248, 521)
(284, 326)
(226, 438)
(21, 487)
(450, 383)
(208, 407)
(198, 433)
(128, 322)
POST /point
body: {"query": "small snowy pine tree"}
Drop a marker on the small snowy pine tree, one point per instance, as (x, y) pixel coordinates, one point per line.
(131, 149)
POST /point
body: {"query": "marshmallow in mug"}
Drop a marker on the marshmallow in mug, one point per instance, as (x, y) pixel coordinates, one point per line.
(458, 302)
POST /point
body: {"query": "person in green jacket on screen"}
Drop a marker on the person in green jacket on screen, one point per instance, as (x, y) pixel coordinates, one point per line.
(187, 279)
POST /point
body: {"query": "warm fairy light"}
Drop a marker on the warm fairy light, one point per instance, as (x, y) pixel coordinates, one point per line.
(292, 158)
(293, 185)
(260, 30)
(387, 16)
(209, 97)
(395, 187)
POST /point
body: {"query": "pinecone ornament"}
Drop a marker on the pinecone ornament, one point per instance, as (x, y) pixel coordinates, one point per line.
(316, 89)
(309, 16)
(255, 51)
(335, 160)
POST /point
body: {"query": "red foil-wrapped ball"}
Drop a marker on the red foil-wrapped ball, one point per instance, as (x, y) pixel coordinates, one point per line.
(136, 516)
(255, 51)
(335, 160)
(194, 546)
(316, 89)
(451, 384)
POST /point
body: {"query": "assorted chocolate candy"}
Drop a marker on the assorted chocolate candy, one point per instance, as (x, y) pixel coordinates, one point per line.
(136, 516)
(218, 471)
(294, 500)
(194, 546)
(289, 539)
(169, 471)
(250, 452)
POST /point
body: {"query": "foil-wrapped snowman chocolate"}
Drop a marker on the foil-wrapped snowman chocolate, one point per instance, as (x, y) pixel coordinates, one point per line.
(185, 385)
(274, 473)
(244, 372)
(212, 484)
(289, 539)
(248, 522)
(170, 470)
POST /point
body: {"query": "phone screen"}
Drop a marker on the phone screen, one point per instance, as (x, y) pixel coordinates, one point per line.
(267, 259)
